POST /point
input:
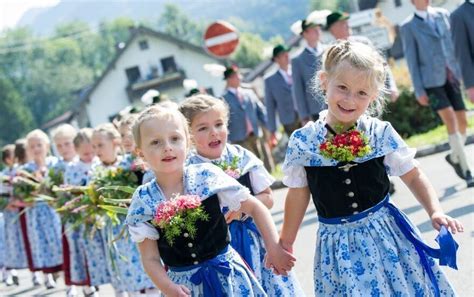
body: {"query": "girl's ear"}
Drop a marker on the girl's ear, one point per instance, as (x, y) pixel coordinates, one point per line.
(323, 79)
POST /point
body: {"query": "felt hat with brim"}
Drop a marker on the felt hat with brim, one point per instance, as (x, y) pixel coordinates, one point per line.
(277, 50)
(315, 18)
(230, 70)
(335, 17)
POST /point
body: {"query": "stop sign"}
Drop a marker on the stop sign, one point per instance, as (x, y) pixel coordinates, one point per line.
(221, 39)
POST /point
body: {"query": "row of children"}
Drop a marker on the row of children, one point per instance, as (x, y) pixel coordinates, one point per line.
(34, 236)
(183, 214)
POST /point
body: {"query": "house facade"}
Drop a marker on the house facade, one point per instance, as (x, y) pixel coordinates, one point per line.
(149, 60)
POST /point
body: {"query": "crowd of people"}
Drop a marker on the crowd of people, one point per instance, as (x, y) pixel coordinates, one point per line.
(198, 223)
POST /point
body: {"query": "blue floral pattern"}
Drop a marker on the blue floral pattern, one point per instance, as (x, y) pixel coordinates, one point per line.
(204, 180)
(371, 257)
(273, 285)
(44, 227)
(303, 147)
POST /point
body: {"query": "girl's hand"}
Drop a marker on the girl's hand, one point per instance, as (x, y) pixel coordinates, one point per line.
(439, 218)
(232, 215)
(175, 290)
(286, 246)
(279, 259)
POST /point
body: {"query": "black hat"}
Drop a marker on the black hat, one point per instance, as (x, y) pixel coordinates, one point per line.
(334, 17)
(278, 50)
(230, 70)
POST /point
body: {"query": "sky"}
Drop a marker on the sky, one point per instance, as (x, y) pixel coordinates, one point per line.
(12, 10)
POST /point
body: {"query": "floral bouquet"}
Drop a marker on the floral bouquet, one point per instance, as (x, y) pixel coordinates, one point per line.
(231, 168)
(179, 214)
(25, 186)
(346, 146)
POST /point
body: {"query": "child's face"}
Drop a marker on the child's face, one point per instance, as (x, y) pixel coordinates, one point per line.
(65, 147)
(209, 133)
(37, 149)
(104, 147)
(9, 161)
(163, 144)
(86, 152)
(127, 138)
(348, 95)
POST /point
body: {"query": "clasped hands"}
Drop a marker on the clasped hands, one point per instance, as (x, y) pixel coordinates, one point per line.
(280, 259)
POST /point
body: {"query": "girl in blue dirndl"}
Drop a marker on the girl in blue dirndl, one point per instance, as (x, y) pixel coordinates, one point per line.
(208, 118)
(204, 264)
(365, 245)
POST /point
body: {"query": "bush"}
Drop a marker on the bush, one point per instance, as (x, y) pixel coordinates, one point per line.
(408, 117)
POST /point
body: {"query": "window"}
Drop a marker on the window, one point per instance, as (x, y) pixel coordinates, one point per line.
(143, 45)
(133, 74)
(398, 3)
(168, 64)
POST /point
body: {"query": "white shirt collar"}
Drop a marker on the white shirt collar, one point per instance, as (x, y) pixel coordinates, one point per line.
(285, 73)
(317, 51)
(233, 90)
(424, 13)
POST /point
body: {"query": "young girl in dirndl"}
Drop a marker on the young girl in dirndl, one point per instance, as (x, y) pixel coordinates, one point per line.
(365, 245)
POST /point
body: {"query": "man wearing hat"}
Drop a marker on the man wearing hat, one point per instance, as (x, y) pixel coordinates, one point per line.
(278, 94)
(435, 73)
(245, 113)
(305, 66)
(462, 28)
(337, 23)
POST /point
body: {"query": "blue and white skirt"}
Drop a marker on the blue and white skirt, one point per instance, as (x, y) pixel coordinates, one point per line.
(124, 262)
(227, 273)
(2, 241)
(94, 246)
(44, 235)
(248, 242)
(15, 254)
(76, 267)
(368, 254)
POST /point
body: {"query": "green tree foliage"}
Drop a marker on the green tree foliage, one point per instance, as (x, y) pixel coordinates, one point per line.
(343, 5)
(176, 23)
(15, 117)
(250, 51)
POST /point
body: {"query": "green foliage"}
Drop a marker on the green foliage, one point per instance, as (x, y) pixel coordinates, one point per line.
(408, 117)
(250, 50)
(15, 117)
(343, 5)
(176, 23)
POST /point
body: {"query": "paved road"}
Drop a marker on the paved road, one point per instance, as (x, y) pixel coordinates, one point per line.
(456, 199)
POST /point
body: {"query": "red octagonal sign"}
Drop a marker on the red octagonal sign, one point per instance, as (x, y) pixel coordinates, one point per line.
(221, 39)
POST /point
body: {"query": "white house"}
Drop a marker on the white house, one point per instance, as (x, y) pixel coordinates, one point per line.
(148, 60)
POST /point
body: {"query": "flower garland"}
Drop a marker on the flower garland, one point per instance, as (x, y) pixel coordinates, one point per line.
(346, 146)
(179, 214)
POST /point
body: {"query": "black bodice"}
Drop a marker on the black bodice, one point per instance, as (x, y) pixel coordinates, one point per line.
(244, 180)
(339, 191)
(212, 237)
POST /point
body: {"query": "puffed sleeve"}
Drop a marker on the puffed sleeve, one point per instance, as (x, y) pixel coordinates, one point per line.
(294, 176)
(142, 231)
(232, 198)
(400, 161)
(260, 179)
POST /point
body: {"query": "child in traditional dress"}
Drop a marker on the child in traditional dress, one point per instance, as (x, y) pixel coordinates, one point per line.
(15, 254)
(208, 117)
(63, 137)
(8, 159)
(199, 259)
(43, 225)
(123, 258)
(86, 263)
(365, 245)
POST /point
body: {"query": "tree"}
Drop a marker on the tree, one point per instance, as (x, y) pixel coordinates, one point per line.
(175, 23)
(343, 5)
(15, 117)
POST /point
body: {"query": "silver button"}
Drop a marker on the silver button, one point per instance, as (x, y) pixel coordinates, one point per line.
(346, 169)
(355, 212)
(348, 181)
(185, 234)
(350, 194)
(195, 262)
(193, 255)
(190, 244)
(354, 205)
